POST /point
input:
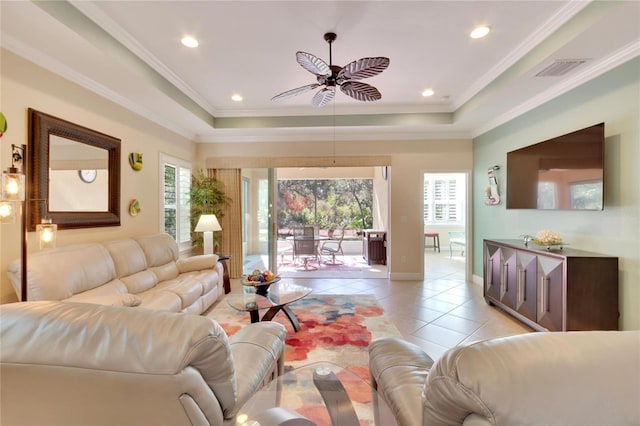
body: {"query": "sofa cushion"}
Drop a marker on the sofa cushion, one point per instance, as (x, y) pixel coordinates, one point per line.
(207, 278)
(165, 272)
(196, 308)
(140, 282)
(127, 256)
(80, 267)
(116, 299)
(160, 300)
(113, 287)
(189, 291)
(159, 249)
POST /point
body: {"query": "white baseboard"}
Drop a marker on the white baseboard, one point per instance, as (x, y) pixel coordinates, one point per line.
(406, 276)
(477, 279)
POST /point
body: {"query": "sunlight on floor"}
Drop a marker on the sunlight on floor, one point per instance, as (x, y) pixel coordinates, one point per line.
(439, 312)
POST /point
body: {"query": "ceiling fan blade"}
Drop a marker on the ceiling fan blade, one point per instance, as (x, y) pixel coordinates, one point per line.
(363, 68)
(294, 92)
(360, 91)
(313, 64)
(323, 97)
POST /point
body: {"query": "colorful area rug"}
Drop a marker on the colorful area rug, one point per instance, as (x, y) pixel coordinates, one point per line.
(333, 328)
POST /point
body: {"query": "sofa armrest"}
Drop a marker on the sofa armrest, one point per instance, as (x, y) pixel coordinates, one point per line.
(197, 263)
(538, 378)
(258, 355)
(398, 371)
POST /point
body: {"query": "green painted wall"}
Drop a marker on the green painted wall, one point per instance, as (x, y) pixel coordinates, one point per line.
(613, 98)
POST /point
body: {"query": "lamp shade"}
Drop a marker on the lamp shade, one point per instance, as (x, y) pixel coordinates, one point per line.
(208, 223)
(13, 185)
(47, 234)
(8, 211)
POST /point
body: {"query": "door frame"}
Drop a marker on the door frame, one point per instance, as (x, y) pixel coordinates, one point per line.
(468, 262)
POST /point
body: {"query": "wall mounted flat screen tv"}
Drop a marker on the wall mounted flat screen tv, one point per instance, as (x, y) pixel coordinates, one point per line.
(563, 173)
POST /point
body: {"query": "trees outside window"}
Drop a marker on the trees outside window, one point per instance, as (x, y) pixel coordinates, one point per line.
(328, 203)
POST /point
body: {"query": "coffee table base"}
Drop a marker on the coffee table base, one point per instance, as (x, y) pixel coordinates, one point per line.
(301, 396)
(271, 312)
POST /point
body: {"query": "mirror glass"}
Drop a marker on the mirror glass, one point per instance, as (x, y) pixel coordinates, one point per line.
(78, 176)
(73, 174)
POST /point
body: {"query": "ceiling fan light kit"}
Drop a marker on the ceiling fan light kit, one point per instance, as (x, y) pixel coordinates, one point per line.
(330, 76)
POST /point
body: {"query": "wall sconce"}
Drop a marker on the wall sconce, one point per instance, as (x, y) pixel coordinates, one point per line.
(208, 223)
(47, 232)
(8, 211)
(13, 182)
(14, 188)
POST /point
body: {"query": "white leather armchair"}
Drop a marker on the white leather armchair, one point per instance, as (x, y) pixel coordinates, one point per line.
(65, 363)
(571, 378)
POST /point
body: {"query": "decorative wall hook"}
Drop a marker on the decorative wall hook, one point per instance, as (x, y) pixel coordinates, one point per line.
(135, 161)
(492, 195)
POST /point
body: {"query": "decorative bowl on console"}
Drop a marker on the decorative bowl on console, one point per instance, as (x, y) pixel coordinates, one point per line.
(549, 239)
(261, 280)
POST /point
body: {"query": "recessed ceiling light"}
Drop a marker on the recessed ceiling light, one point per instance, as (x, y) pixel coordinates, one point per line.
(189, 41)
(428, 92)
(480, 31)
(236, 98)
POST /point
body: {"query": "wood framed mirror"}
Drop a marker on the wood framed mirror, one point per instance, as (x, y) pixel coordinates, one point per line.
(73, 174)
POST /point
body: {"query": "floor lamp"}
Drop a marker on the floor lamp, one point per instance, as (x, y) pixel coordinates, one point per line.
(14, 202)
(208, 224)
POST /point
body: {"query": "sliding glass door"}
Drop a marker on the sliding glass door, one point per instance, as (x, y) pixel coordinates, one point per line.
(258, 227)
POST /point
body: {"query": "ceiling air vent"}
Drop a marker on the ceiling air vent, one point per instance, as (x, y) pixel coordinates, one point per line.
(560, 67)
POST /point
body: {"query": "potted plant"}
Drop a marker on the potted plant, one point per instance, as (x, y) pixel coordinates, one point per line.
(206, 197)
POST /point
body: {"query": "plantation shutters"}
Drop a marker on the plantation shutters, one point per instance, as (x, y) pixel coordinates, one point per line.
(175, 215)
(444, 199)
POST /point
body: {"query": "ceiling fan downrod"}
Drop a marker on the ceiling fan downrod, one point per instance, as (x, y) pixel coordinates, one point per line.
(330, 38)
(332, 79)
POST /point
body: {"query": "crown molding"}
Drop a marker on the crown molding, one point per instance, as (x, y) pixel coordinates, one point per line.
(323, 134)
(619, 57)
(553, 24)
(107, 24)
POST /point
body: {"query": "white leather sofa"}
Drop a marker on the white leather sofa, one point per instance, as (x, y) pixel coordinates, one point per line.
(144, 271)
(571, 378)
(85, 364)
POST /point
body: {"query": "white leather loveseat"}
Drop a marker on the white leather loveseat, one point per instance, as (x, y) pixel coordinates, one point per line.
(572, 378)
(144, 271)
(84, 364)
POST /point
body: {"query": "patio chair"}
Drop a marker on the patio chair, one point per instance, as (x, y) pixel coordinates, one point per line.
(285, 248)
(332, 248)
(304, 248)
(457, 238)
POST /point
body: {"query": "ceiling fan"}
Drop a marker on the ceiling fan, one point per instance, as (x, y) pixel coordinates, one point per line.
(331, 76)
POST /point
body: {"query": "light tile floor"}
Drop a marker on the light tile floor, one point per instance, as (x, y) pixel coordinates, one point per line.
(438, 313)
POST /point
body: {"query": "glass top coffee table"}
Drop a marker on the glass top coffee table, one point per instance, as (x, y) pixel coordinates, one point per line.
(275, 299)
(318, 394)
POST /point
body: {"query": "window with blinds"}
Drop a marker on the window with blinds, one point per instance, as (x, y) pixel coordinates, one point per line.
(444, 198)
(175, 216)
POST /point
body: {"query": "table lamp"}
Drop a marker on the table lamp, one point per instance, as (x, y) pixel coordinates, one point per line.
(208, 223)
